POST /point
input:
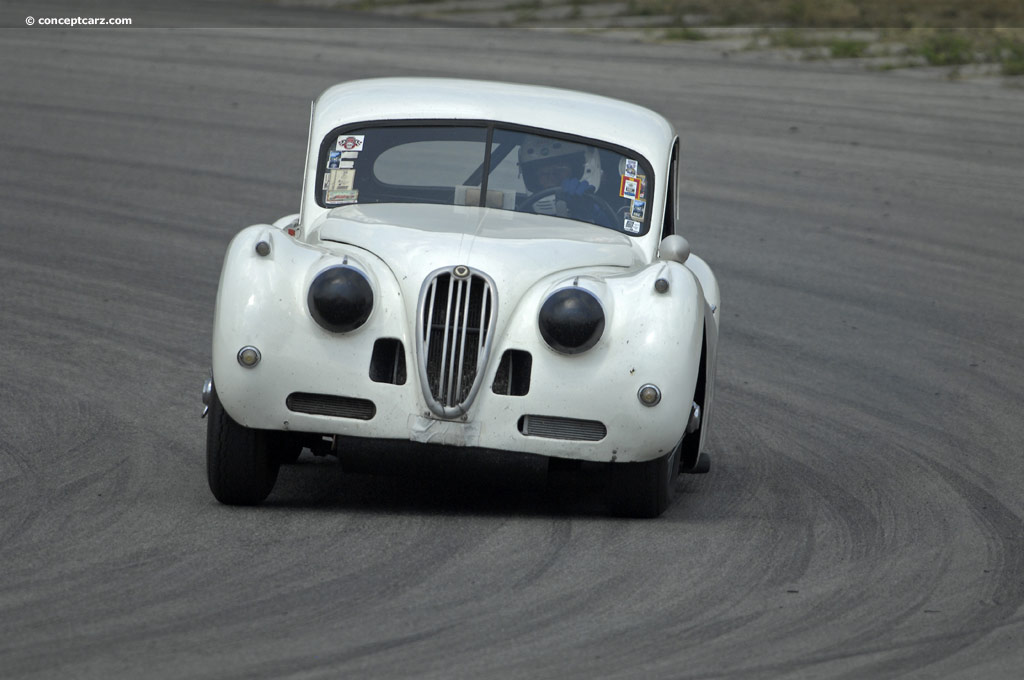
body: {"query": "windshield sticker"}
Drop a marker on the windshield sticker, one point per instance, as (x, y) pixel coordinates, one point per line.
(632, 226)
(350, 143)
(333, 164)
(333, 157)
(327, 181)
(347, 196)
(350, 155)
(346, 164)
(628, 187)
(637, 211)
(340, 180)
(642, 191)
(630, 170)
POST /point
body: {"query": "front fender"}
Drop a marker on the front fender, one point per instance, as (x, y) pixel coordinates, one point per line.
(261, 302)
(649, 337)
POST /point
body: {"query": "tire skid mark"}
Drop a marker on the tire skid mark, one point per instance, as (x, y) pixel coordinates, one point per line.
(172, 608)
(864, 536)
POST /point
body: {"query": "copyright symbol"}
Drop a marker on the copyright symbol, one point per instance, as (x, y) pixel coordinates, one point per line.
(29, 20)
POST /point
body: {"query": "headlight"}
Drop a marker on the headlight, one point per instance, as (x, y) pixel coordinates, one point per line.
(340, 299)
(571, 320)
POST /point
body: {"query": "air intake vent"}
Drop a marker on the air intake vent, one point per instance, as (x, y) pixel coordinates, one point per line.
(330, 405)
(456, 322)
(551, 427)
(513, 375)
(387, 364)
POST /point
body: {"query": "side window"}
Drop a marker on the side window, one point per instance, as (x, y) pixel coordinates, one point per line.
(672, 196)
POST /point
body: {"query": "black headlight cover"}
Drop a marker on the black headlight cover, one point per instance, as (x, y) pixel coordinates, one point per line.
(571, 320)
(340, 299)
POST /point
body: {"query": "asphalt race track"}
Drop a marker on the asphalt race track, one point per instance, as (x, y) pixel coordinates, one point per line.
(863, 516)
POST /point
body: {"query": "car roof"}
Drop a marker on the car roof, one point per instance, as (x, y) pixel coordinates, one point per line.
(567, 111)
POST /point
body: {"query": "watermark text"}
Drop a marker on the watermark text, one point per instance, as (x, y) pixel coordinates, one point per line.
(78, 21)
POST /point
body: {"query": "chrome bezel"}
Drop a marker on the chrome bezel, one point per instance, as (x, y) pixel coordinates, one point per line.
(657, 392)
(241, 363)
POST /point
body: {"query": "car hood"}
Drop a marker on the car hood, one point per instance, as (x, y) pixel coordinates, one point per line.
(515, 249)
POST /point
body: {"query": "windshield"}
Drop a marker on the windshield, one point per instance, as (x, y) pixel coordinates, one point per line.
(487, 166)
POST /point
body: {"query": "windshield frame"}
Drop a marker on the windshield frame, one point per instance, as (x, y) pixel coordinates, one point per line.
(489, 126)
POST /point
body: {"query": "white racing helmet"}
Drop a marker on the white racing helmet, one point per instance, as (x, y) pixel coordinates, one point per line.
(535, 152)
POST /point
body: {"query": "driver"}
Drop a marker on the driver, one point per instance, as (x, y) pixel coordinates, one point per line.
(569, 172)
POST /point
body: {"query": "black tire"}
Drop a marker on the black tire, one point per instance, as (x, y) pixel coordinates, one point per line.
(240, 467)
(643, 489)
(689, 450)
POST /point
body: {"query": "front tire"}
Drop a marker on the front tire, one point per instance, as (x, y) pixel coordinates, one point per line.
(240, 468)
(644, 489)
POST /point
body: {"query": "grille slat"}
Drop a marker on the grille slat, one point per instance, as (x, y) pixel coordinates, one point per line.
(443, 368)
(482, 333)
(462, 339)
(453, 331)
(331, 405)
(456, 318)
(553, 427)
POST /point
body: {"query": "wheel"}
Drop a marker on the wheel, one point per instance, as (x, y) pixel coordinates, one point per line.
(559, 194)
(644, 489)
(240, 467)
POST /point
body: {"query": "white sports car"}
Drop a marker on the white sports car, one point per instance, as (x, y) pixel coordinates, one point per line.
(477, 265)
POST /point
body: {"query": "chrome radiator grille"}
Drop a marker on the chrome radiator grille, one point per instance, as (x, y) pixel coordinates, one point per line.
(456, 322)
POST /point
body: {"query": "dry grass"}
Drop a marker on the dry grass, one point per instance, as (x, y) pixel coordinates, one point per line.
(951, 33)
(901, 14)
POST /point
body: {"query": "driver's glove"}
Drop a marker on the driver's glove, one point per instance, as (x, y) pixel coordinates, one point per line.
(573, 191)
(577, 187)
(583, 208)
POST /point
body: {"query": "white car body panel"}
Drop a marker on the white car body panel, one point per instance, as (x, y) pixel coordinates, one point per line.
(649, 337)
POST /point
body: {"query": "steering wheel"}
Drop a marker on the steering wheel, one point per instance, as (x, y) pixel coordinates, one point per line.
(560, 194)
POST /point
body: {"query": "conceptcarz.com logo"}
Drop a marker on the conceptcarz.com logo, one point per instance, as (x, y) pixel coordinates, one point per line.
(79, 21)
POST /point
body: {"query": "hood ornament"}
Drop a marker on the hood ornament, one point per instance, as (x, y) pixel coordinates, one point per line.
(461, 271)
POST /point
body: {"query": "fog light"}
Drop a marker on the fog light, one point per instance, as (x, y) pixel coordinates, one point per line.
(263, 248)
(248, 356)
(649, 395)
